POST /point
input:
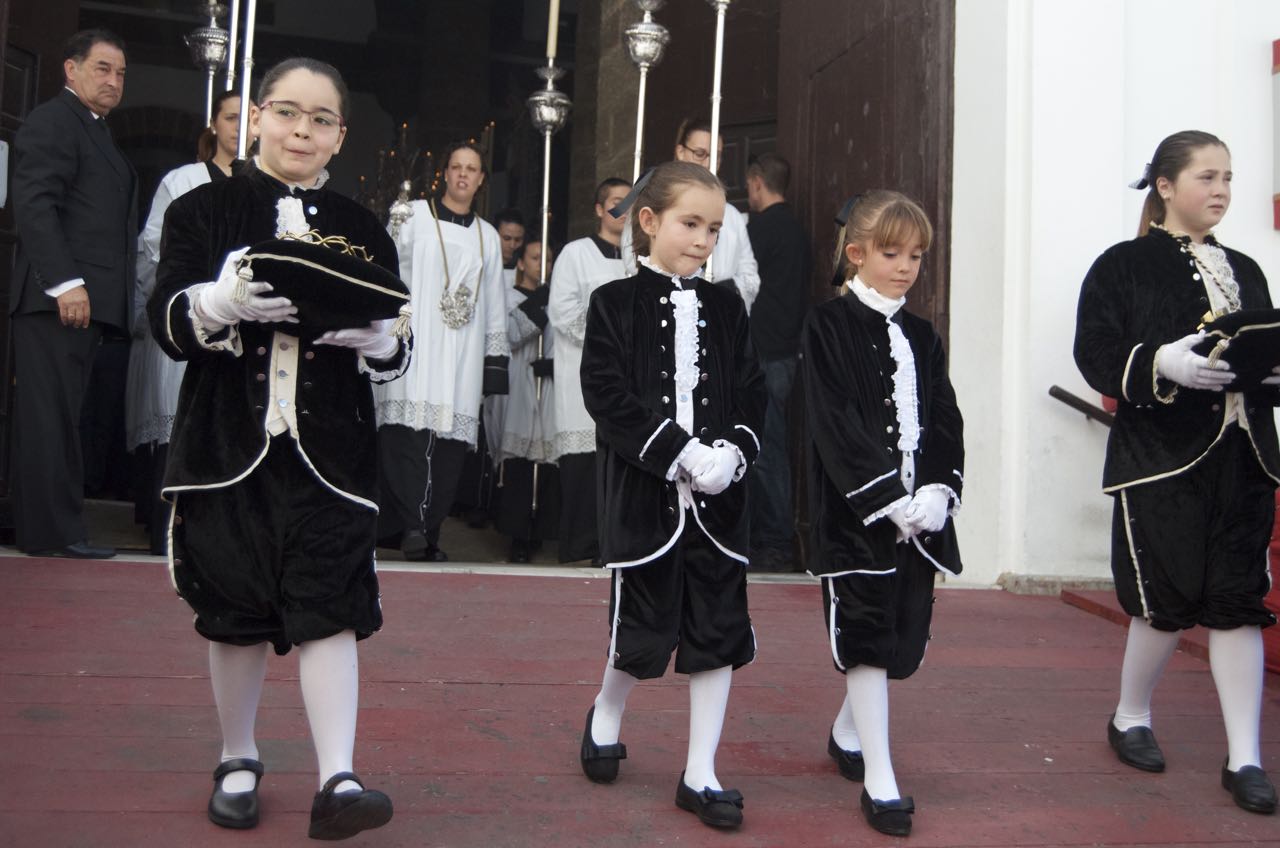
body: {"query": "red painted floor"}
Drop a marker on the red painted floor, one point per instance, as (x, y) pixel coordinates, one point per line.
(472, 707)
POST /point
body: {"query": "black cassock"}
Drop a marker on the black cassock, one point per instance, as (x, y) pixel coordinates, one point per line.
(878, 593)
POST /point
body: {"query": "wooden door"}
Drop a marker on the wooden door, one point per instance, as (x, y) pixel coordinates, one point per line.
(865, 102)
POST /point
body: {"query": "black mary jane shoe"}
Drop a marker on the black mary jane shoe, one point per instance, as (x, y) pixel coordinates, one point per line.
(237, 810)
(1135, 747)
(1250, 788)
(850, 763)
(339, 815)
(716, 807)
(889, 817)
(599, 762)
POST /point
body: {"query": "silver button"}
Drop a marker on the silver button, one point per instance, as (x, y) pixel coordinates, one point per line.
(284, 345)
(705, 401)
(888, 402)
(666, 399)
(684, 398)
(1195, 276)
(702, 504)
(664, 322)
(282, 373)
(664, 375)
(312, 210)
(702, 322)
(662, 300)
(889, 429)
(283, 403)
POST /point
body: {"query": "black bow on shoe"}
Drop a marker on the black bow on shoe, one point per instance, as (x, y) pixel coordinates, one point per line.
(716, 807)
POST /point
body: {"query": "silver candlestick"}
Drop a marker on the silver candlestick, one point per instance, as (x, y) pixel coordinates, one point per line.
(646, 42)
(208, 45)
(400, 210)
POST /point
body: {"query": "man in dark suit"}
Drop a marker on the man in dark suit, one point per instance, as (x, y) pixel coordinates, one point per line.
(74, 204)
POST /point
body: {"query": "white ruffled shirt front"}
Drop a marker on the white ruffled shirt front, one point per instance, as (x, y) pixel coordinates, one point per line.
(905, 396)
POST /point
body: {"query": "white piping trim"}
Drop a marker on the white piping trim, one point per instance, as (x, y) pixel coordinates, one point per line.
(617, 614)
(831, 624)
(173, 576)
(751, 432)
(659, 552)
(1133, 555)
(1124, 378)
(698, 518)
(1120, 487)
(871, 571)
(340, 492)
(958, 475)
(934, 562)
(168, 312)
(866, 486)
(651, 438)
(221, 484)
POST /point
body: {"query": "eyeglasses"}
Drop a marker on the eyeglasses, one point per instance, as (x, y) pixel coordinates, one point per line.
(323, 121)
(699, 153)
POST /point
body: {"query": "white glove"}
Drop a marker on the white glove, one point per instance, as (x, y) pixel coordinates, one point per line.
(217, 303)
(372, 342)
(927, 512)
(899, 518)
(1274, 379)
(717, 473)
(1175, 361)
(695, 457)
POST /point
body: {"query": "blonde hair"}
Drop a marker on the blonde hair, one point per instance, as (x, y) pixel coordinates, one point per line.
(664, 186)
(881, 219)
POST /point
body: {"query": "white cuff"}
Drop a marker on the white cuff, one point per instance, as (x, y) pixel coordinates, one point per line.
(741, 470)
(63, 288)
(881, 513)
(684, 452)
(954, 509)
(205, 327)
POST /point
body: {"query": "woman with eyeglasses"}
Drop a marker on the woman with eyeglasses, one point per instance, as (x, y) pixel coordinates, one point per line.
(271, 467)
(732, 262)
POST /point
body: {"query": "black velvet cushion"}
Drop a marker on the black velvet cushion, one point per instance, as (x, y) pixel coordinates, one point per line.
(333, 289)
(1249, 341)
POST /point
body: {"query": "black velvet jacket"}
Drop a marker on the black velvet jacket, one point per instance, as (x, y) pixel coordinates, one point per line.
(219, 432)
(628, 385)
(854, 461)
(1139, 295)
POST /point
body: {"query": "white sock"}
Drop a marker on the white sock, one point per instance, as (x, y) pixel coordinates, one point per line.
(606, 722)
(708, 700)
(236, 672)
(330, 674)
(1236, 660)
(868, 688)
(1146, 653)
(843, 729)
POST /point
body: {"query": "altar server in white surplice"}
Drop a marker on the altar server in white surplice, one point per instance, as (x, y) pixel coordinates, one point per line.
(583, 266)
(452, 261)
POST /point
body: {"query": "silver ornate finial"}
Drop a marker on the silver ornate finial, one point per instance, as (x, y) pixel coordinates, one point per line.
(646, 39)
(549, 108)
(401, 210)
(208, 44)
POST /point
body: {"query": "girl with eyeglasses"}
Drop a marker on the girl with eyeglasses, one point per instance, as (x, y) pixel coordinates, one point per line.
(272, 462)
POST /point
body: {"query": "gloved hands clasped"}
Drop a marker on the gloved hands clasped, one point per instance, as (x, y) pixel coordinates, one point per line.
(231, 299)
(1177, 362)
(711, 468)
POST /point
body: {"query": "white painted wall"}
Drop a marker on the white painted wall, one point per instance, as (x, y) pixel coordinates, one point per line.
(1058, 104)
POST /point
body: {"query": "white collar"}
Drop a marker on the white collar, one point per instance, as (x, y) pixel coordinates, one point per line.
(658, 269)
(886, 306)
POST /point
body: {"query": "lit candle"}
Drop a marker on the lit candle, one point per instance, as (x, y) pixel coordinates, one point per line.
(553, 28)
